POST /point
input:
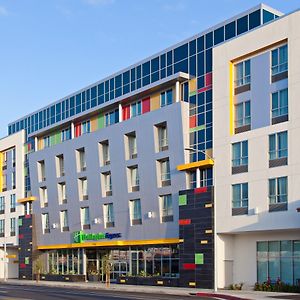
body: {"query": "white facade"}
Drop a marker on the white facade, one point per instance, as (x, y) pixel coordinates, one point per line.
(11, 163)
(237, 236)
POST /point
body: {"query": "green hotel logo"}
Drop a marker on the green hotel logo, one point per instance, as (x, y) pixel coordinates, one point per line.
(80, 237)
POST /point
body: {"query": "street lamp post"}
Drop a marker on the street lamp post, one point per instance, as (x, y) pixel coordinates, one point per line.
(214, 207)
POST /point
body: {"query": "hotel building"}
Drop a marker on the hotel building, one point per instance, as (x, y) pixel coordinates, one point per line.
(179, 170)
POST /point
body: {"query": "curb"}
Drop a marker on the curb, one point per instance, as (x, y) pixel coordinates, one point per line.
(220, 296)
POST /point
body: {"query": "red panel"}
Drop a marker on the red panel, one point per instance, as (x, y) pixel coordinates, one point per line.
(204, 89)
(78, 130)
(193, 121)
(146, 105)
(27, 216)
(200, 190)
(208, 79)
(184, 222)
(126, 112)
(22, 266)
(189, 266)
(21, 236)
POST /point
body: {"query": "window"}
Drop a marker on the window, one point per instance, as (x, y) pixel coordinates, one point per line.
(242, 73)
(62, 197)
(165, 176)
(166, 98)
(280, 60)
(278, 145)
(60, 165)
(2, 228)
(41, 171)
(83, 188)
(2, 205)
(13, 157)
(104, 153)
(166, 208)
(13, 179)
(64, 223)
(278, 259)
(131, 145)
(280, 103)
(47, 141)
(4, 182)
(243, 114)
(45, 223)
(136, 108)
(108, 212)
(240, 154)
(278, 190)
(112, 117)
(85, 217)
(44, 197)
(81, 159)
(134, 179)
(12, 226)
(86, 127)
(107, 184)
(5, 158)
(239, 198)
(162, 135)
(12, 202)
(135, 212)
(66, 134)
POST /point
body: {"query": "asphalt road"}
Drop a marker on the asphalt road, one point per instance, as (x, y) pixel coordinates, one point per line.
(21, 292)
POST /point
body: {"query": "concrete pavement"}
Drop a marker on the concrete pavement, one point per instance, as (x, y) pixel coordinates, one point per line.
(221, 294)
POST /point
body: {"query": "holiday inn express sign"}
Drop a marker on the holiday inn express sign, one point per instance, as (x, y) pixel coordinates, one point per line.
(81, 237)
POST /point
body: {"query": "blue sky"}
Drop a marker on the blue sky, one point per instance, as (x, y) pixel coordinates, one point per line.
(51, 48)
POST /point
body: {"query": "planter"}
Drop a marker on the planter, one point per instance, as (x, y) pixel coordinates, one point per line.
(151, 281)
(93, 277)
(60, 277)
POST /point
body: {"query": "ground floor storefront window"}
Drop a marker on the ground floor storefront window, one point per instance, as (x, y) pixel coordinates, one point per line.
(278, 260)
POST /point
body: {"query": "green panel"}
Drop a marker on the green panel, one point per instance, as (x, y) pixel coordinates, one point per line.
(25, 171)
(192, 93)
(197, 128)
(58, 137)
(20, 222)
(52, 140)
(101, 121)
(27, 261)
(182, 200)
(199, 258)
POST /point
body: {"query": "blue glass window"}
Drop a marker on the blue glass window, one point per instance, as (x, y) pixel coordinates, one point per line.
(154, 76)
(208, 60)
(200, 44)
(181, 66)
(138, 72)
(242, 25)
(146, 69)
(219, 35)
(169, 58)
(126, 89)
(192, 47)
(192, 66)
(200, 63)
(155, 65)
(146, 80)
(180, 53)
(267, 16)
(163, 61)
(118, 81)
(162, 73)
(132, 73)
(209, 40)
(112, 84)
(126, 77)
(230, 30)
(254, 19)
(106, 86)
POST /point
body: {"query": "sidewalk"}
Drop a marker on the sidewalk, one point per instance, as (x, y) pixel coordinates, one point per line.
(221, 294)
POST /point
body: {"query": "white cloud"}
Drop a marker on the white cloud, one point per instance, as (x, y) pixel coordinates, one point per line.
(3, 11)
(99, 2)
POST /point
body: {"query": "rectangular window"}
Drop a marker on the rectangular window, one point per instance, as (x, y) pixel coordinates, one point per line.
(280, 60)
(47, 141)
(81, 160)
(83, 188)
(13, 157)
(66, 134)
(165, 175)
(240, 154)
(41, 171)
(104, 153)
(13, 179)
(107, 184)
(60, 165)
(12, 226)
(134, 179)
(243, 114)
(85, 217)
(108, 212)
(240, 199)
(4, 182)
(2, 205)
(166, 98)
(12, 202)
(162, 135)
(45, 223)
(135, 212)
(278, 146)
(278, 192)
(62, 197)
(86, 127)
(242, 73)
(131, 147)
(136, 109)
(166, 208)
(64, 222)
(280, 104)
(2, 228)
(44, 197)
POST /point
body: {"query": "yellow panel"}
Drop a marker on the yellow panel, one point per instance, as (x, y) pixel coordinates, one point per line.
(11, 256)
(122, 280)
(181, 240)
(160, 282)
(155, 102)
(192, 283)
(1, 175)
(193, 85)
(28, 199)
(203, 242)
(231, 104)
(209, 152)
(195, 165)
(41, 144)
(208, 231)
(208, 205)
(94, 124)
(110, 243)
